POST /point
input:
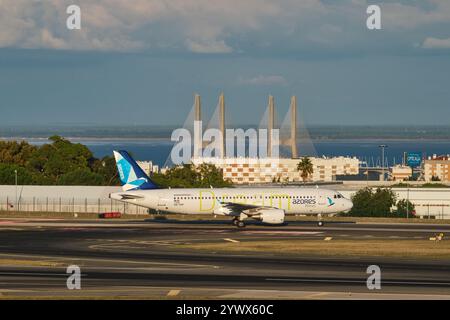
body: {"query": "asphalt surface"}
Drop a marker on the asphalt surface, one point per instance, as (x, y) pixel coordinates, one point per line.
(140, 259)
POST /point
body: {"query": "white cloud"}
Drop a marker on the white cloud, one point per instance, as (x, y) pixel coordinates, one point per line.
(435, 43)
(48, 40)
(197, 25)
(209, 46)
(410, 16)
(211, 26)
(263, 80)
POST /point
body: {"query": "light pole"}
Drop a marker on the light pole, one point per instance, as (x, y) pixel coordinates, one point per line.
(382, 146)
(15, 175)
(407, 203)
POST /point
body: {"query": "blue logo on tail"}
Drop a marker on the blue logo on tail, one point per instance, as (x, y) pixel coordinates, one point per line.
(131, 175)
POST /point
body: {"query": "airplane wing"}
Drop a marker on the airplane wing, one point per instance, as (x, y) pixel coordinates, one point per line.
(235, 209)
(241, 211)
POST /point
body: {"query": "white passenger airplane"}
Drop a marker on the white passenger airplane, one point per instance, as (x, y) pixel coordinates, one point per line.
(269, 205)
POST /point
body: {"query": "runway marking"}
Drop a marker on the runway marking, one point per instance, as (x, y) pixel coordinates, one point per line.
(359, 281)
(11, 290)
(173, 293)
(315, 280)
(2, 273)
(6, 222)
(128, 244)
(231, 240)
(39, 284)
(317, 295)
(111, 260)
(397, 230)
(164, 268)
(294, 233)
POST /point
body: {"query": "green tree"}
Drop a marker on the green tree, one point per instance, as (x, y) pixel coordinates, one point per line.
(191, 176)
(383, 200)
(57, 162)
(405, 208)
(81, 177)
(60, 157)
(361, 202)
(211, 175)
(369, 203)
(106, 167)
(8, 175)
(18, 153)
(306, 167)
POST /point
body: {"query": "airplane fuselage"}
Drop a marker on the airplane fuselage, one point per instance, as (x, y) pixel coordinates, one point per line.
(293, 200)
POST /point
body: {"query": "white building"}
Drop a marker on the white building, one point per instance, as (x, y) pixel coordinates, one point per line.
(401, 173)
(148, 167)
(267, 170)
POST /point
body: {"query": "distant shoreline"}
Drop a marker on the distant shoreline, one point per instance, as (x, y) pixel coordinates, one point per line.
(162, 139)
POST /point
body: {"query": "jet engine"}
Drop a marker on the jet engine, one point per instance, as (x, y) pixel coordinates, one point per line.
(272, 216)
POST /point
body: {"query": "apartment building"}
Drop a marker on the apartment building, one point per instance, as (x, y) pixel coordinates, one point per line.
(267, 170)
(437, 166)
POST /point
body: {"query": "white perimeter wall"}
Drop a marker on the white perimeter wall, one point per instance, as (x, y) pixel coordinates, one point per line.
(427, 201)
(64, 199)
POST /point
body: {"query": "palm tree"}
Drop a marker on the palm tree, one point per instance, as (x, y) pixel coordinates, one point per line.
(306, 167)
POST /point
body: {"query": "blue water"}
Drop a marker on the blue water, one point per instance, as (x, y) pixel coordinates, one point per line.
(155, 151)
(158, 151)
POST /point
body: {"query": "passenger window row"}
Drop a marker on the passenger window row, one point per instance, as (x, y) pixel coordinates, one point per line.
(244, 197)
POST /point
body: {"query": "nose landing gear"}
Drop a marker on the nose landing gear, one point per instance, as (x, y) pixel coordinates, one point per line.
(320, 223)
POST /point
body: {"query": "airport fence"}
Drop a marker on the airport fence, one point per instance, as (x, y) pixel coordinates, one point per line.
(68, 205)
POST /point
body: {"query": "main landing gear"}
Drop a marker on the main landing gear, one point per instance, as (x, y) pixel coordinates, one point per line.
(238, 223)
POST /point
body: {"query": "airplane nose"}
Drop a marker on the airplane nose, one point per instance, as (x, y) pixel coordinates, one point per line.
(349, 205)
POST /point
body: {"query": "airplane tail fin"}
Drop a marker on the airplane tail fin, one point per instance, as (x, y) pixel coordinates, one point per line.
(131, 175)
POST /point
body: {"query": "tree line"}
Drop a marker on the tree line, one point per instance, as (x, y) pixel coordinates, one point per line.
(204, 175)
(381, 202)
(59, 162)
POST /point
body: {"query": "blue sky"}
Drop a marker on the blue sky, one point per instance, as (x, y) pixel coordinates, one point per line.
(141, 63)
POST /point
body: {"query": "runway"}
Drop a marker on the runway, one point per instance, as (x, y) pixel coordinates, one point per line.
(146, 259)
